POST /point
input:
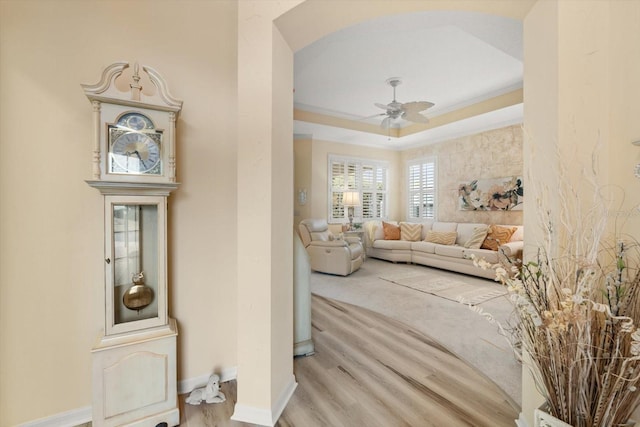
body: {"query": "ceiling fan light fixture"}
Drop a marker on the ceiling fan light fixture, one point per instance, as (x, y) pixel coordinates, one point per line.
(409, 111)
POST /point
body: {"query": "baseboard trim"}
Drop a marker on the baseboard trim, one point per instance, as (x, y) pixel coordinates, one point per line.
(251, 414)
(190, 384)
(284, 398)
(83, 415)
(521, 421)
(70, 418)
(261, 416)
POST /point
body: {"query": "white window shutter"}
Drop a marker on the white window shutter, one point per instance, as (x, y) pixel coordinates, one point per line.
(367, 177)
(421, 188)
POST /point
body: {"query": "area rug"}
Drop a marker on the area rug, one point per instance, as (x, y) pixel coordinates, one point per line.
(451, 289)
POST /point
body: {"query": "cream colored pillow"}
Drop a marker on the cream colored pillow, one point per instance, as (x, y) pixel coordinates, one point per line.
(410, 232)
(477, 238)
(441, 237)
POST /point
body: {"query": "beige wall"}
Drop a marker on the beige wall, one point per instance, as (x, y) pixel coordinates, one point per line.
(302, 178)
(265, 217)
(540, 114)
(625, 125)
(492, 154)
(51, 222)
(582, 65)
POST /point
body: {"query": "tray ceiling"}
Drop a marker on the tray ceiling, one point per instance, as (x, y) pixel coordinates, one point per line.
(468, 64)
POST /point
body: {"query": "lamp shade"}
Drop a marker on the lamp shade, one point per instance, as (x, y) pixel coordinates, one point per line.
(351, 198)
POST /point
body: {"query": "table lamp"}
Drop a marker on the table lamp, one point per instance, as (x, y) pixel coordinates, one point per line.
(351, 199)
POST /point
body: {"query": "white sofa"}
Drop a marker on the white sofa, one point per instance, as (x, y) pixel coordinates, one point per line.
(454, 257)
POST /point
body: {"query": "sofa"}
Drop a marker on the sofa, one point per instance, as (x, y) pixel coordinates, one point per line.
(330, 253)
(445, 245)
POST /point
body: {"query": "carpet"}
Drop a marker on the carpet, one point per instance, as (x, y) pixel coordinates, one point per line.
(444, 287)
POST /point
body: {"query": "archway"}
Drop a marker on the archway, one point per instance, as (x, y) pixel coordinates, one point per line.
(268, 33)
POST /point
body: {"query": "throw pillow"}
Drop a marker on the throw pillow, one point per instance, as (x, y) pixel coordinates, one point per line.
(410, 232)
(441, 237)
(497, 236)
(477, 238)
(391, 232)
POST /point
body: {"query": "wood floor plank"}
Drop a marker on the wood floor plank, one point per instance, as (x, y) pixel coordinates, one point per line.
(369, 370)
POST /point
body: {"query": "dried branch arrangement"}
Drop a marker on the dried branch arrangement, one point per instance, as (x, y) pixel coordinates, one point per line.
(578, 311)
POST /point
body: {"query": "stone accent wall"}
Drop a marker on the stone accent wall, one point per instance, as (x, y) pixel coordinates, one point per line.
(492, 154)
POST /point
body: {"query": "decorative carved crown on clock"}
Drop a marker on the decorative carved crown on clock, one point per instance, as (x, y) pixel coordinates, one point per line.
(134, 118)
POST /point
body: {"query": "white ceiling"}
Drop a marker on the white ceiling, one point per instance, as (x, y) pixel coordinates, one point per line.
(453, 59)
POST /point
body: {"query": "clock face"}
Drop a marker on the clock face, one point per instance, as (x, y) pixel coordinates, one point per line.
(136, 122)
(135, 152)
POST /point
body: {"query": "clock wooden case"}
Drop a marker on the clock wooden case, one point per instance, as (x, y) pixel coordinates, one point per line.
(134, 359)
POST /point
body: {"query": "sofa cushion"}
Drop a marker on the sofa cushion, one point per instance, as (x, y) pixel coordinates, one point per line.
(486, 254)
(441, 237)
(465, 232)
(426, 247)
(450, 251)
(444, 226)
(392, 244)
(410, 231)
(496, 236)
(391, 231)
(477, 238)
(426, 226)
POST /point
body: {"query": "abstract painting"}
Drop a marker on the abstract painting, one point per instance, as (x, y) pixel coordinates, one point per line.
(499, 194)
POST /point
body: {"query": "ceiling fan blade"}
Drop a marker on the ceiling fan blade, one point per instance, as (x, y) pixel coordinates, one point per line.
(415, 107)
(383, 106)
(371, 117)
(386, 123)
(414, 117)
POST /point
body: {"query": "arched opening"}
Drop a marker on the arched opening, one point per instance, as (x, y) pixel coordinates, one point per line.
(425, 48)
(265, 164)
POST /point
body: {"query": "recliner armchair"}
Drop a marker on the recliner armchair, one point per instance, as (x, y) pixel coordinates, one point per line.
(328, 253)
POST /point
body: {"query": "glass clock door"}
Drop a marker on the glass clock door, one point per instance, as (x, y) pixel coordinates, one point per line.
(135, 263)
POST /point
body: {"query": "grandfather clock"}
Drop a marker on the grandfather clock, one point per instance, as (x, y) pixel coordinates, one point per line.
(134, 359)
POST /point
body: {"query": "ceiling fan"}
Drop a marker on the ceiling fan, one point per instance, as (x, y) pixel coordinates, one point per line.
(409, 111)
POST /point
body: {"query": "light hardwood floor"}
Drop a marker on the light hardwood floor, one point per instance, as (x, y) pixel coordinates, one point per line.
(370, 370)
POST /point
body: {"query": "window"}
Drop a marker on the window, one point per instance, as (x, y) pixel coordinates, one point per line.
(421, 180)
(367, 177)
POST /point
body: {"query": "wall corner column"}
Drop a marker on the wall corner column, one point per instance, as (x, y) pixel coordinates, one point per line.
(265, 214)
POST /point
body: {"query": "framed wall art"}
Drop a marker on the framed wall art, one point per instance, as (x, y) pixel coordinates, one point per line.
(498, 194)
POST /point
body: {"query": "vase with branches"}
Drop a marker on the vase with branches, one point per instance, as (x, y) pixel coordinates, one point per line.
(577, 305)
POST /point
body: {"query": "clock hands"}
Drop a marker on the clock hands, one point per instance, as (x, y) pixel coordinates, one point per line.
(131, 153)
(141, 161)
(136, 153)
